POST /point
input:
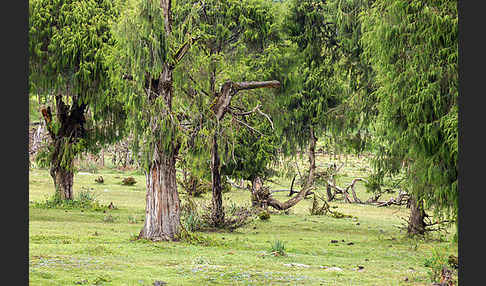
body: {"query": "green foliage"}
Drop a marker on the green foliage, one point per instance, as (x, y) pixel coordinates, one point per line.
(68, 44)
(144, 49)
(277, 248)
(412, 47)
(85, 200)
(435, 263)
(307, 93)
(235, 41)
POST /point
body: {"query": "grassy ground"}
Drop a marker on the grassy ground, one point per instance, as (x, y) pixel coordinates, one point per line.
(75, 247)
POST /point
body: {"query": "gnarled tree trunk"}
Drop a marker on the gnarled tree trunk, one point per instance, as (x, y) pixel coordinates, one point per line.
(71, 121)
(162, 209)
(63, 182)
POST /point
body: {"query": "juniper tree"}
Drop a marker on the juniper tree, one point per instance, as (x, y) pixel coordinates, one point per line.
(309, 95)
(230, 34)
(149, 48)
(68, 44)
(412, 47)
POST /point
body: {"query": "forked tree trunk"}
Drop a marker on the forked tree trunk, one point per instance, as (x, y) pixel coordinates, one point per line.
(416, 223)
(162, 209)
(217, 212)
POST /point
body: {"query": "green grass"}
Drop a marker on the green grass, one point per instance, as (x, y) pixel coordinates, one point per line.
(80, 246)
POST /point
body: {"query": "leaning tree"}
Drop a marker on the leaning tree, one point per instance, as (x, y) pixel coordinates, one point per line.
(68, 44)
(413, 48)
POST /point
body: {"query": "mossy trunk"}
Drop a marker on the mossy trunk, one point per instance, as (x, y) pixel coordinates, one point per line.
(416, 223)
(63, 179)
(217, 212)
(162, 209)
(71, 121)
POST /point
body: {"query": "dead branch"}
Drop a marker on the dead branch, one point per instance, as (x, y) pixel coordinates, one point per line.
(401, 199)
(261, 196)
(344, 191)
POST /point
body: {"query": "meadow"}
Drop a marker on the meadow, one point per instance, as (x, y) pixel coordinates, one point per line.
(87, 247)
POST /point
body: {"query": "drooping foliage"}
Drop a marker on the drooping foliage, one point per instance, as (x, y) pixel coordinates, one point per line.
(308, 92)
(233, 42)
(413, 48)
(353, 74)
(143, 51)
(68, 44)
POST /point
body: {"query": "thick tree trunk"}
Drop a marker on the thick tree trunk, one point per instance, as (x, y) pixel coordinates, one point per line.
(162, 209)
(63, 181)
(217, 212)
(416, 223)
(71, 120)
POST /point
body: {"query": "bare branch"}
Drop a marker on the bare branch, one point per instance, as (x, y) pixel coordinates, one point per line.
(268, 117)
(255, 84)
(247, 126)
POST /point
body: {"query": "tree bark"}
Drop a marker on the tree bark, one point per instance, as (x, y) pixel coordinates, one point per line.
(71, 128)
(330, 195)
(63, 181)
(416, 223)
(162, 209)
(217, 212)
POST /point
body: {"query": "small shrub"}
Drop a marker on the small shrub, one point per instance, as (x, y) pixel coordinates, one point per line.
(192, 222)
(435, 263)
(277, 248)
(85, 199)
(264, 215)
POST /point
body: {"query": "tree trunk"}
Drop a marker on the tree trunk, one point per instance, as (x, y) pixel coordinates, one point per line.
(416, 223)
(258, 195)
(330, 195)
(63, 181)
(162, 209)
(71, 120)
(312, 159)
(217, 213)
